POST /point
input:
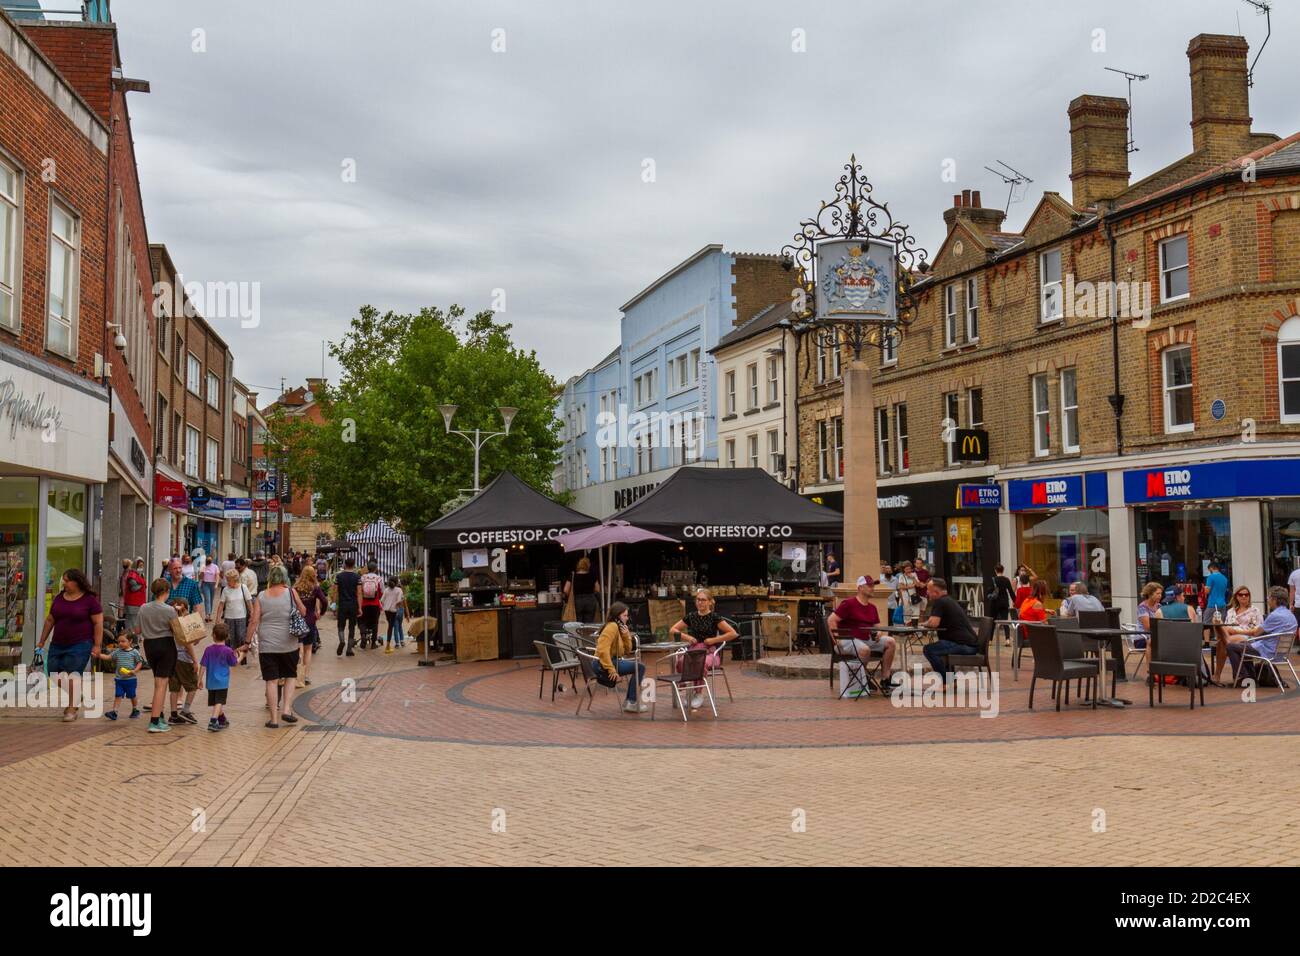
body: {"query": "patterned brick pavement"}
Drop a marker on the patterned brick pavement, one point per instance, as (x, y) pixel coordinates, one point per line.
(464, 765)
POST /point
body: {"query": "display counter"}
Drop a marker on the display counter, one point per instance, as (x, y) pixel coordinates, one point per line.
(776, 630)
(500, 632)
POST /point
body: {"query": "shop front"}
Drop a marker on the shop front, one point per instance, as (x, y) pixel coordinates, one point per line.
(1062, 529)
(53, 461)
(203, 525)
(956, 534)
(1241, 514)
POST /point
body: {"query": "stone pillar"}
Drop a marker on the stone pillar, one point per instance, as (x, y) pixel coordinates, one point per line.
(1248, 549)
(861, 518)
(1123, 550)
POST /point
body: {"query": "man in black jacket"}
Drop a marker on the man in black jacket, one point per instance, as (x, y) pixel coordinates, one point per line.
(348, 614)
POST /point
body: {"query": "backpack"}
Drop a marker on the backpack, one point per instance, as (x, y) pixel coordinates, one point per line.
(370, 586)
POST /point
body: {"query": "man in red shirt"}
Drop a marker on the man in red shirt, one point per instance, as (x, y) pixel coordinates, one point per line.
(135, 589)
(851, 626)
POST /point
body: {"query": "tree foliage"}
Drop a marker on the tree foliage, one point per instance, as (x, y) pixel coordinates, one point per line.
(382, 450)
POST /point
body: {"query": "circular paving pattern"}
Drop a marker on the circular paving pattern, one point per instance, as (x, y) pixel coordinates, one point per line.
(496, 703)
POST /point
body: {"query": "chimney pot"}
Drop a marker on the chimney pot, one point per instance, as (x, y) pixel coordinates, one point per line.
(1098, 148)
(965, 197)
(956, 200)
(975, 199)
(1220, 97)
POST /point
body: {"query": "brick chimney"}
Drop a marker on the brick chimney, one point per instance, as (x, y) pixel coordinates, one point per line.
(1220, 100)
(966, 206)
(1098, 148)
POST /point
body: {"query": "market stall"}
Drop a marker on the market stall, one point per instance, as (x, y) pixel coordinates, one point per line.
(497, 571)
(389, 547)
(753, 542)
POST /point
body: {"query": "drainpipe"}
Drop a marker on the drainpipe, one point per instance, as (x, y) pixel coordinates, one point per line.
(1117, 398)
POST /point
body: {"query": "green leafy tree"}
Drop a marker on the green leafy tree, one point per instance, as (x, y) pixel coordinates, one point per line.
(382, 451)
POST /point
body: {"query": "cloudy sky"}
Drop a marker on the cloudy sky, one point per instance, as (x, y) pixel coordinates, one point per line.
(521, 169)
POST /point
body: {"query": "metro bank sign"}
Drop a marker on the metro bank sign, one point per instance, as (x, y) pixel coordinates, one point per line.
(1241, 478)
(1169, 484)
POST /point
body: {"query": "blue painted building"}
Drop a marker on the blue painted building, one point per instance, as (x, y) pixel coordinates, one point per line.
(649, 407)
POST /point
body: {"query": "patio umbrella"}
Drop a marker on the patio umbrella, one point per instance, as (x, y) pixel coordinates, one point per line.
(607, 534)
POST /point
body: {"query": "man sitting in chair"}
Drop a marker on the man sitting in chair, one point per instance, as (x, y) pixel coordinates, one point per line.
(1279, 620)
(851, 625)
(956, 636)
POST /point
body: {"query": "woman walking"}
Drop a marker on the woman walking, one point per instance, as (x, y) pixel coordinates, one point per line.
(314, 599)
(77, 622)
(210, 574)
(234, 607)
(584, 587)
(278, 648)
(394, 605)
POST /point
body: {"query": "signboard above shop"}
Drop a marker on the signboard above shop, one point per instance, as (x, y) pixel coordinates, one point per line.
(1058, 491)
(979, 496)
(170, 494)
(970, 446)
(1249, 478)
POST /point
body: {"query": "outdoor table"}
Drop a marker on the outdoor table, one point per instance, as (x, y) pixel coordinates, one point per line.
(906, 631)
(1103, 635)
(755, 635)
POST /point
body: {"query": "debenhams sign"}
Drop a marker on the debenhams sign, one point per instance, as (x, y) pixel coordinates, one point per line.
(51, 427)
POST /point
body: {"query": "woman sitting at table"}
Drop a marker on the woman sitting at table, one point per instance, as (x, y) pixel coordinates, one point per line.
(614, 651)
(704, 627)
(1242, 619)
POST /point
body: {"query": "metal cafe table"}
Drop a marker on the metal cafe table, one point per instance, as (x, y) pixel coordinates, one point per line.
(1103, 636)
(907, 633)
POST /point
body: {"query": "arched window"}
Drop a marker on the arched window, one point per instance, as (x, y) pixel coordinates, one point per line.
(1288, 369)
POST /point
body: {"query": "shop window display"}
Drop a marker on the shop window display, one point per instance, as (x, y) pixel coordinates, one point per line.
(1176, 545)
(1067, 546)
(19, 500)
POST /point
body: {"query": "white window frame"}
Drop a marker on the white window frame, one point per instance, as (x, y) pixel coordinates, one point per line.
(773, 450)
(773, 380)
(889, 352)
(214, 390)
(973, 420)
(1046, 286)
(71, 250)
(193, 374)
(1166, 273)
(951, 411)
(1069, 412)
(1288, 336)
(212, 452)
(11, 247)
(192, 454)
(828, 362)
(950, 315)
(730, 390)
(902, 458)
(731, 452)
(751, 386)
(972, 310)
(1041, 416)
(1167, 389)
(882, 440)
(751, 450)
(830, 448)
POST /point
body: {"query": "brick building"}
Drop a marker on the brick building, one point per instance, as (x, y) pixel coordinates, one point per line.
(1133, 436)
(56, 355)
(295, 523)
(194, 396)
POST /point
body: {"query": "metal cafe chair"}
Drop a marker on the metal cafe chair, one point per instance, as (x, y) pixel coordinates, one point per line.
(856, 670)
(589, 666)
(556, 660)
(691, 677)
(1285, 642)
(1132, 634)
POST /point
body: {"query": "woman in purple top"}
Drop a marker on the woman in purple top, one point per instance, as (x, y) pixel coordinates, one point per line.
(76, 619)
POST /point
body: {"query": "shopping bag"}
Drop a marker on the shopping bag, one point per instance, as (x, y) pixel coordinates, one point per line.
(189, 630)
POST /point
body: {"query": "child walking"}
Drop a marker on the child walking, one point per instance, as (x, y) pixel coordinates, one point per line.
(394, 604)
(127, 662)
(214, 673)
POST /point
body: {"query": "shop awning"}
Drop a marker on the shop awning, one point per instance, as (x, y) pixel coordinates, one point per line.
(507, 511)
(1088, 521)
(732, 504)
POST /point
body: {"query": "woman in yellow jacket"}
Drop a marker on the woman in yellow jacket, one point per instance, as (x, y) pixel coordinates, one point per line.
(613, 650)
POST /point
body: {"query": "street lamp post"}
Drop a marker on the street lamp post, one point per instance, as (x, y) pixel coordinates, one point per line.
(477, 437)
(856, 266)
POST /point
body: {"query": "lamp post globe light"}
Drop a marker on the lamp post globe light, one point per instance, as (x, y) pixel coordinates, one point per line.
(477, 438)
(855, 268)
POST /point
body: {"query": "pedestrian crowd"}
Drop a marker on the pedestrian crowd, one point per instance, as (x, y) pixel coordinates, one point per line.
(262, 607)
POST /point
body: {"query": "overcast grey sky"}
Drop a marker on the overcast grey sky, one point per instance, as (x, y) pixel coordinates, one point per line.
(521, 170)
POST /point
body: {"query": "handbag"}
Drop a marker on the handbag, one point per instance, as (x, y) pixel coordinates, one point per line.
(297, 623)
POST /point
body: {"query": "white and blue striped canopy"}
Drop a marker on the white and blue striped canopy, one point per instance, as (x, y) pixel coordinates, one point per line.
(388, 546)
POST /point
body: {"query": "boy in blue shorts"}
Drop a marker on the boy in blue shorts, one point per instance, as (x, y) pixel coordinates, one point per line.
(214, 673)
(127, 662)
